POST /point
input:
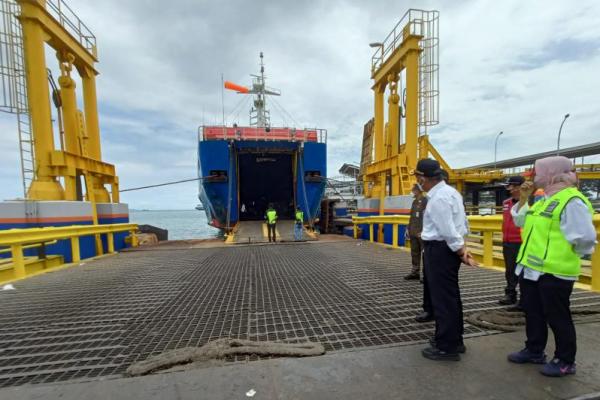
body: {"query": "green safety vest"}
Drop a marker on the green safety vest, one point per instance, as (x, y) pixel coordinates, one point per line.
(544, 247)
(271, 216)
(299, 216)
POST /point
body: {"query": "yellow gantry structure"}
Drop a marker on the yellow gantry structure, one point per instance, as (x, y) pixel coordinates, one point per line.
(80, 154)
(407, 55)
(394, 159)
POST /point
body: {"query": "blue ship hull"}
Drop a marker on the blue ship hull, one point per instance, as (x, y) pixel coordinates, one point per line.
(240, 178)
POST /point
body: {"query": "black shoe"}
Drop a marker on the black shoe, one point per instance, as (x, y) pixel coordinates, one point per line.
(461, 348)
(433, 353)
(507, 300)
(516, 308)
(424, 317)
(412, 276)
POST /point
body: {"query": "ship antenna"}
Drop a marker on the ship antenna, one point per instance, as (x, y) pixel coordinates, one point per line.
(262, 120)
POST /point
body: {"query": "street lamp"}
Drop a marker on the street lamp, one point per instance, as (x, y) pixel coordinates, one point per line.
(559, 131)
(377, 44)
(496, 147)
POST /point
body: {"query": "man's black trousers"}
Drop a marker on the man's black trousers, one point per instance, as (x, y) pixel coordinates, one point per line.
(441, 272)
(510, 251)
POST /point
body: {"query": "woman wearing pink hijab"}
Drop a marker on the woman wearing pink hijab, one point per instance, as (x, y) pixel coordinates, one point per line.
(557, 231)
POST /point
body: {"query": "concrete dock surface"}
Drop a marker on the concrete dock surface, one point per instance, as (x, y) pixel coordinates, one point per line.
(398, 372)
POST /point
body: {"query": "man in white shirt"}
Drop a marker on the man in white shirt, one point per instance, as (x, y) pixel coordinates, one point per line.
(444, 228)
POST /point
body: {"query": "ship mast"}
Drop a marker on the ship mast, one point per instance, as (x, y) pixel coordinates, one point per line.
(259, 115)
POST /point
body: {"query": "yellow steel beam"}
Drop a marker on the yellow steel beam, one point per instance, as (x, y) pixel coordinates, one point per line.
(412, 105)
(585, 175)
(424, 141)
(378, 124)
(58, 37)
(44, 186)
(61, 161)
(21, 237)
(395, 62)
(384, 165)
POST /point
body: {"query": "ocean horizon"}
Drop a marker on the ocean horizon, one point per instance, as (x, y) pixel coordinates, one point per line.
(181, 224)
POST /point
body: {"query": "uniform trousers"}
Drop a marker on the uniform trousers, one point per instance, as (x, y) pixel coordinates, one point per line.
(441, 274)
(271, 232)
(510, 251)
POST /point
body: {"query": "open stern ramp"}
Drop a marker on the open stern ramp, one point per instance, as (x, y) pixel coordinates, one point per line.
(256, 232)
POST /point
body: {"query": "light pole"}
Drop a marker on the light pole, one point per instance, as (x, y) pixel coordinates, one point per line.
(496, 147)
(377, 44)
(559, 131)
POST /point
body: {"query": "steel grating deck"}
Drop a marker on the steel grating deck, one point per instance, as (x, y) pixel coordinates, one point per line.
(95, 320)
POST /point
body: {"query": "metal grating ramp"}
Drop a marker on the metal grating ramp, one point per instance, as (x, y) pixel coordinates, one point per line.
(94, 320)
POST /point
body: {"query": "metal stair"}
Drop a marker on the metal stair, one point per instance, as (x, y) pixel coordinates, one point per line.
(14, 86)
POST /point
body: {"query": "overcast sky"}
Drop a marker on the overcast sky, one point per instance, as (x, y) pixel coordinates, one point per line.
(509, 66)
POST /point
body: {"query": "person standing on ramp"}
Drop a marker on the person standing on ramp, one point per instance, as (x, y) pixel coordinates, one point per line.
(271, 218)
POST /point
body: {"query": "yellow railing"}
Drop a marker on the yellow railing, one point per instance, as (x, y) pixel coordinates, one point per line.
(19, 239)
(487, 225)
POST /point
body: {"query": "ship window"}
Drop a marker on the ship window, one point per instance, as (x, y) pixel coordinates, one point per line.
(312, 176)
(218, 172)
(312, 173)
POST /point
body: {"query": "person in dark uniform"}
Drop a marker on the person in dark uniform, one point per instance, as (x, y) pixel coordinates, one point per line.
(511, 240)
(443, 234)
(415, 225)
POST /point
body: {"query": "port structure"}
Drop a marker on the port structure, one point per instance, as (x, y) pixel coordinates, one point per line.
(409, 55)
(27, 26)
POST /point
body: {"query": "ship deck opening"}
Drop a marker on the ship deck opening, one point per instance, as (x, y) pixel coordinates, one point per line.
(265, 178)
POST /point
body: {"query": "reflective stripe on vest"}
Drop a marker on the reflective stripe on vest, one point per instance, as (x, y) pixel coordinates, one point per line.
(271, 216)
(544, 247)
(299, 216)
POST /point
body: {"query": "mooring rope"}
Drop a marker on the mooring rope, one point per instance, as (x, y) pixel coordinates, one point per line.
(223, 348)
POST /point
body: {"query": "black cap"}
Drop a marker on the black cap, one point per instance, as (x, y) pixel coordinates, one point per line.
(515, 180)
(428, 168)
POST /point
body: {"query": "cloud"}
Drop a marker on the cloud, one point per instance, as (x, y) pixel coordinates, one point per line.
(509, 66)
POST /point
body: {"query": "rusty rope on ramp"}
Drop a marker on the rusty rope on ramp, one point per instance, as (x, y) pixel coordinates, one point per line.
(222, 348)
(512, 321)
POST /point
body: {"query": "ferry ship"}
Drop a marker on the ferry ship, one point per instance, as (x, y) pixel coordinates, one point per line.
(244, 169)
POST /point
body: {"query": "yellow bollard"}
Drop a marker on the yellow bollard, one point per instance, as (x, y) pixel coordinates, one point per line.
(18, 261)
(134, 239)
(370, 232)
(75, 253)
(395, 235)
(110, 239)
(596, 270)
(355, 231)
(488, 248)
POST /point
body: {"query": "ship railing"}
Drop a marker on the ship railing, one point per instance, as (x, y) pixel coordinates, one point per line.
(262, 134)
(17, 240)
(484, 241)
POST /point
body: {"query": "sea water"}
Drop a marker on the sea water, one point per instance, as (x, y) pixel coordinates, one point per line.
(181, 224)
